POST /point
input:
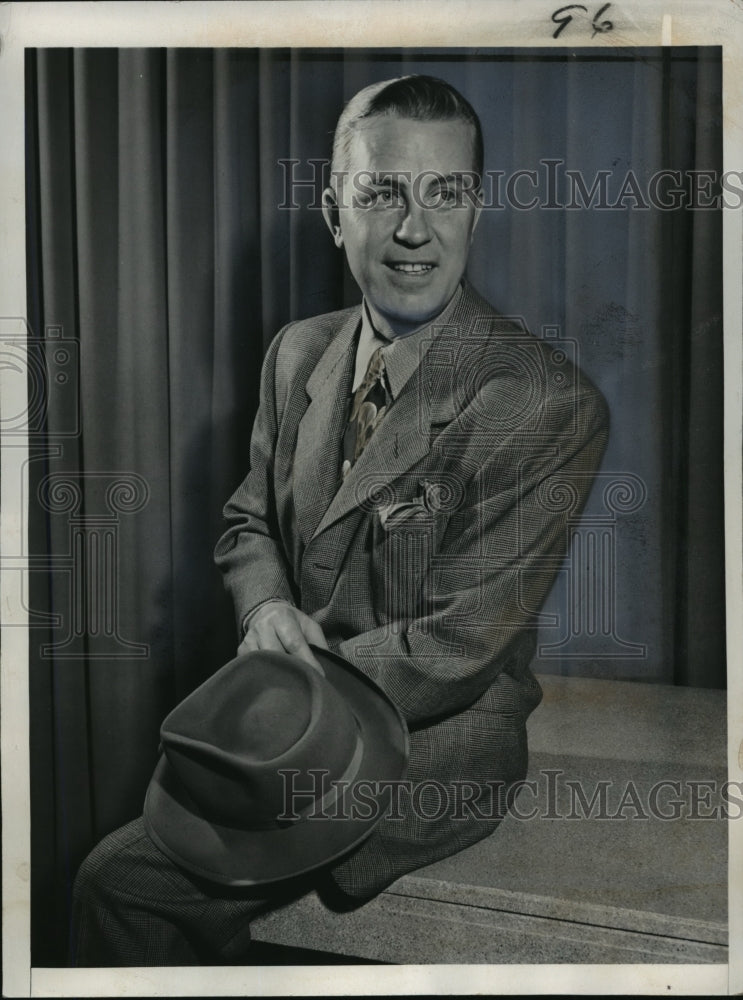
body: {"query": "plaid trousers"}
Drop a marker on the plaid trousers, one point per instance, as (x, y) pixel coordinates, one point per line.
(133, 907)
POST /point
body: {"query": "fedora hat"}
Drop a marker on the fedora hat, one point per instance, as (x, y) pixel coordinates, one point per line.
(258, 765)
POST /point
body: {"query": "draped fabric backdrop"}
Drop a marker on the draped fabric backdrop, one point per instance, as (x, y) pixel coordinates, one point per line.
(160, 266)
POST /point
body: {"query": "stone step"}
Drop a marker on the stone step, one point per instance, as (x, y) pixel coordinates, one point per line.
(614, 883)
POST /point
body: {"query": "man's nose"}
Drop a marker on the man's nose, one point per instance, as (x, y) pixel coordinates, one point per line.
(413, 229)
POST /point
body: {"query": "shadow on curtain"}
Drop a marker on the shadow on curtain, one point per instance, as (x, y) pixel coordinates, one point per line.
(160, 266)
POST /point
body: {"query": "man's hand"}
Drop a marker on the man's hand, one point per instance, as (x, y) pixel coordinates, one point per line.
(282, 627)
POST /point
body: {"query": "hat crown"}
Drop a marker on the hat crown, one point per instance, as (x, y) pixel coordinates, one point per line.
(255, 730)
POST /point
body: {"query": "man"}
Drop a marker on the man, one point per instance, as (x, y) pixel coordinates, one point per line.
(414, 465)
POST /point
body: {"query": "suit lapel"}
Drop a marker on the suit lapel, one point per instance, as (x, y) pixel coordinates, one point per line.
(317, 455)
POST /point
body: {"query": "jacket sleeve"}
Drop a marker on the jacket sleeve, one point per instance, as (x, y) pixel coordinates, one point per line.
(250, 553)
(497, 560)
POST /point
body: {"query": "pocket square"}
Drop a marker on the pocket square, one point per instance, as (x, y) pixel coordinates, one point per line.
(392, 515)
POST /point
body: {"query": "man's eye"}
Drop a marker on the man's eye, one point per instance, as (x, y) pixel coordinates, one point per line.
(378, 198)
(387, 198)
(446, 198)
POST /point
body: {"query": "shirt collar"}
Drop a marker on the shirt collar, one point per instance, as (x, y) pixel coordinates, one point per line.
(403, 355)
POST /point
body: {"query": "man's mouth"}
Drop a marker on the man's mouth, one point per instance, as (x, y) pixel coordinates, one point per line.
(403, 268)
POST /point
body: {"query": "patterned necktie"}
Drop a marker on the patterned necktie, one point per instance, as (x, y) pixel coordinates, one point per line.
(367, 410)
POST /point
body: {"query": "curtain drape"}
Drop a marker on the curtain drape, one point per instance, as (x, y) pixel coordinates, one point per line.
(164, 254)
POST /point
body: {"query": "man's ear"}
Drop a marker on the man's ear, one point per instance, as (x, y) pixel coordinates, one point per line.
(478, 212)
(332, 215)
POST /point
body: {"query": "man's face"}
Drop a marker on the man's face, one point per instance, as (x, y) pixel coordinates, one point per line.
(406, 214)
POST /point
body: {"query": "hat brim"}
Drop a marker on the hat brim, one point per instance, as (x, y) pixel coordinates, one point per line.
(238, 857)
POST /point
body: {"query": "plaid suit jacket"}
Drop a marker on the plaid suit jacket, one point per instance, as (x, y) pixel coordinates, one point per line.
(427, 566)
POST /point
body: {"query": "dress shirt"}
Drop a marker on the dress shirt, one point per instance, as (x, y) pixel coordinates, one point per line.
(401, 355)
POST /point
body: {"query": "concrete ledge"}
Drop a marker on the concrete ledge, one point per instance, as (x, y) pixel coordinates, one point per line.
(553, 890)
(403, 929)
(594, 915)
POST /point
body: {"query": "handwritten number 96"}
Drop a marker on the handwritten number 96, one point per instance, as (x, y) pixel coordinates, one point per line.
(562, 18)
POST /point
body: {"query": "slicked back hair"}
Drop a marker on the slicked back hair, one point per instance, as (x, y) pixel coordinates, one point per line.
(418, 97)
